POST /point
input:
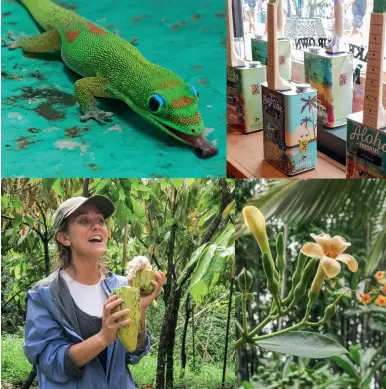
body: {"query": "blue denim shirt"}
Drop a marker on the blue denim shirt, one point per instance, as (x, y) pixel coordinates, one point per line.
(50, 331)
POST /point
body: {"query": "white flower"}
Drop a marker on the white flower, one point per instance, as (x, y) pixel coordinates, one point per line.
(329, 251)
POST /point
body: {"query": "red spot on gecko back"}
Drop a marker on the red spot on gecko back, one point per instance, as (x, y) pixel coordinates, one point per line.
(72, 35)
(95, 29)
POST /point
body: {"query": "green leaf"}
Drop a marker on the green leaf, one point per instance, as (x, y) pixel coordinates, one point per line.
(141, 188)
(169, 223)
(21, 239)
(355, 354)
(48, 182)
(227, 237)
(4, 202)
(16, 204)
(16, 271)
(9, 232)
(198, 288)
(57, 187)
(206, 274)
(137, 208)
(121, 194)
(194, 258)
(356, 311)
(303, 344)
(31, 241)
(33, 180)
(371, 370)
(177, 182)
(367, 357)
(121, 214)
(355, 279)
(345, 363)
(377, 323)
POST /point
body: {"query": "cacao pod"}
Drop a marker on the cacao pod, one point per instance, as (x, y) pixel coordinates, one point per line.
(128, 335)
(142, 280)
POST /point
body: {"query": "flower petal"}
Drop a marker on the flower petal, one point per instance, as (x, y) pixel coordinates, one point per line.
(350, 261)
(313, 250)
(330, 266)
(324, 241)
(338, 246)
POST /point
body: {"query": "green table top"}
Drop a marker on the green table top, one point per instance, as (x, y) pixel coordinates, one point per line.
(42, 135)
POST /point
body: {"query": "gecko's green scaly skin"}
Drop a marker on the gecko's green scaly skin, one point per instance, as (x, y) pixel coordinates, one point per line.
(112, 67)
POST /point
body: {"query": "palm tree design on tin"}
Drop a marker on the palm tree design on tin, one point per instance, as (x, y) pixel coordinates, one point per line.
(305, 121)
(310, 102)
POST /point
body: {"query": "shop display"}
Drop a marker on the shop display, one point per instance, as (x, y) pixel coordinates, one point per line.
(366, 131)
(332, 76)
(289, 114)
(259, 48)
(244, 106)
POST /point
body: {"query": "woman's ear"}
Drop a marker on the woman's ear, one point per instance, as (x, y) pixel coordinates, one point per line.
(63, 238)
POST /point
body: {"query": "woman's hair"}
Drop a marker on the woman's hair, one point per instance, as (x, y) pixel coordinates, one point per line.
(63, 255)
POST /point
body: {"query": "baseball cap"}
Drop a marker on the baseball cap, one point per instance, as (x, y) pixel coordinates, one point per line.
(67, 208)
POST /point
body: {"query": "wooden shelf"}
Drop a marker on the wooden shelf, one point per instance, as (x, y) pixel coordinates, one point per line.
(245, 160)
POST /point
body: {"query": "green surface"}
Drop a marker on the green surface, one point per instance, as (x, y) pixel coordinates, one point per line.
(41, 131)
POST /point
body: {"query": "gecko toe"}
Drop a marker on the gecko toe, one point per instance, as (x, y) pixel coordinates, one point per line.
(13, 43)
(99, 116)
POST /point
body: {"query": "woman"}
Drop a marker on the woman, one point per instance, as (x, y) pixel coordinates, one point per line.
(71, 332)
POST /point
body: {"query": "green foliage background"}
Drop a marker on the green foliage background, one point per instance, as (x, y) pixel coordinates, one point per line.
(143, 215)
(354, 209)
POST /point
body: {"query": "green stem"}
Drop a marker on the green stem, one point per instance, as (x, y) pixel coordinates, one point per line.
(244, 307)
(260, 326)
(294, 327)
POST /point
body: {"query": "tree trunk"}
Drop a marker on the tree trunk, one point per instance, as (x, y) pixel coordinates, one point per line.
(165, 359)
(46, 257)
(124, 249)
(85, 187)
(169, 291)
(173, 317)
(172, 297)
(228, 324)
(183, 342)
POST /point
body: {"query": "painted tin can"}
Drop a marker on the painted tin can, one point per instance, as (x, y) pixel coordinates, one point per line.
(290, 128)
(259, 53)
(244, 107)
(332, 76)
(366, 149)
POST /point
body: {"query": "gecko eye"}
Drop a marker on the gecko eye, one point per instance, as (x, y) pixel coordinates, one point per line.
(194, 91)
(156, 103)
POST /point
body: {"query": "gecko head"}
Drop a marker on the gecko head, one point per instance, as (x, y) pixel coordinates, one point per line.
(173, 107)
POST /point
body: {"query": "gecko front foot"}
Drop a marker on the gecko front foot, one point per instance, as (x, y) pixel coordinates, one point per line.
(99, 116)
(14, 43)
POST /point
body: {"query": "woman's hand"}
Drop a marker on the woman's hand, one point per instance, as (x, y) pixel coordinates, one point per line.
(109, 325)
(147, 299)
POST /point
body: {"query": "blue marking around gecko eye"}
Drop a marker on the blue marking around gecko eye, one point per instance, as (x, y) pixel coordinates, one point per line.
(194, 90)
(156, 103)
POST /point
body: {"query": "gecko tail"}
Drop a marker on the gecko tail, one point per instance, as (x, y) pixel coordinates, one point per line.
(41, 11)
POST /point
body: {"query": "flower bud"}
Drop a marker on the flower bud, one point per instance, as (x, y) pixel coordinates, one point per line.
(269, 269)
(245, 280)
(255, 221)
